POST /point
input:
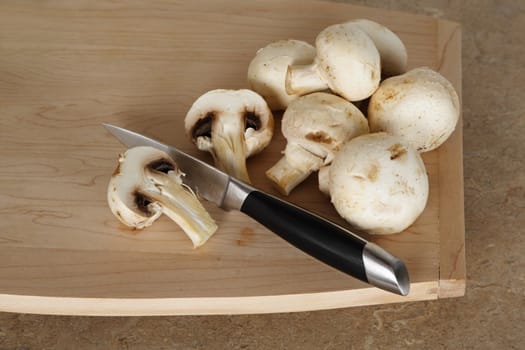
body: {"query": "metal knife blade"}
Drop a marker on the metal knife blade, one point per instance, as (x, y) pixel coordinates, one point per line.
(316, 236)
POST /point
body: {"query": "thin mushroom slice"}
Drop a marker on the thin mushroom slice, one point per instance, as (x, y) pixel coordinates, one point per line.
(146, 184)
(232, 125)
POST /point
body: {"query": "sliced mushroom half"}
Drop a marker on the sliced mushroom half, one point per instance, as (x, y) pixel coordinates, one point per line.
(232, 125)
(146, 184)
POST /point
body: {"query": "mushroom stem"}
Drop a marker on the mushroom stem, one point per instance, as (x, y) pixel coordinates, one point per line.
(289, 172)
(181, 205)
(303, 79)
(229, 147)
(323, 178)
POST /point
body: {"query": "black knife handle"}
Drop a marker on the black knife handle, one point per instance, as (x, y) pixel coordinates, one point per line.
(312, 234)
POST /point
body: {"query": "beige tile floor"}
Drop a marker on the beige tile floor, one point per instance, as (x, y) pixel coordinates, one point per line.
(492, 313)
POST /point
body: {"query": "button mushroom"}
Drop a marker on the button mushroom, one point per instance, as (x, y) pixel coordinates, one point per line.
(378, 183)
(391, 49)
(232, 125)
(315, 127)
(267, 70)
(347, 62)
(421, 106)
(147, 184)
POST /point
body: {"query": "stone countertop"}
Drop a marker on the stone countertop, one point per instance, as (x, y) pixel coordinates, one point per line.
(492, 313)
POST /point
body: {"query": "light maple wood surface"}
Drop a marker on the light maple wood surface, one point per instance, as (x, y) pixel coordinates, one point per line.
(66, 67)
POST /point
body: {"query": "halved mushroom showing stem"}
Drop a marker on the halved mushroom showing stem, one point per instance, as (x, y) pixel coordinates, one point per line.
(347, 62)
(315, 127)
(267, 70)
(146, 184)
(378, 183)
(421, 106)
(232, 125)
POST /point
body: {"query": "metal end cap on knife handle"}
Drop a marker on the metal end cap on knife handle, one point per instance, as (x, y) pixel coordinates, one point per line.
(384, 270)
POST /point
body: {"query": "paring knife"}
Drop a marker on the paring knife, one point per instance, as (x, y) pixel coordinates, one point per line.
(314, 235)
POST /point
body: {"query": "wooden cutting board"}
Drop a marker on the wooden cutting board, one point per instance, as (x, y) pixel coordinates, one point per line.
(66, 67)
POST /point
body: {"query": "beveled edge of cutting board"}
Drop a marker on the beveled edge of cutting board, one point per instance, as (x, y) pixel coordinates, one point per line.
(211, 305)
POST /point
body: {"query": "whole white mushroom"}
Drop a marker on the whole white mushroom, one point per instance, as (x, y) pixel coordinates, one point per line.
(420, 106)
(378, 183)
(347, 62)
(315, 127)
(391, 49)
(267, 70)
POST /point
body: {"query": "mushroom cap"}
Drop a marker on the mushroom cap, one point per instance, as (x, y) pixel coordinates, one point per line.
(267, 70)
(421, 106)
(245, 103)
(348, 61)
(378, 183)
(125, 198)
(320, 123)
(391, 49)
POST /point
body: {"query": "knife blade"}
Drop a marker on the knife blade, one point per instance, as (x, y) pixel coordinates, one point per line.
(314, 235)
